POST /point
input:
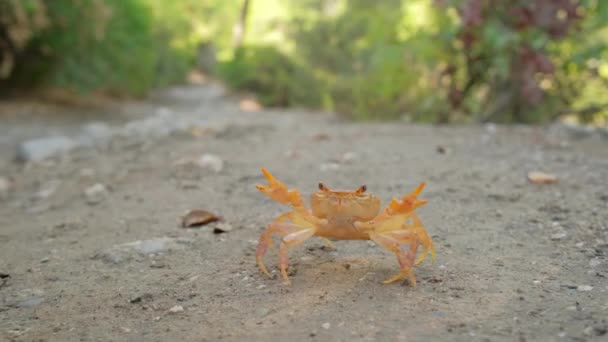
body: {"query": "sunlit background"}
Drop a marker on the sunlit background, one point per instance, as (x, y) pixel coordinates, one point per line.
(416, 60)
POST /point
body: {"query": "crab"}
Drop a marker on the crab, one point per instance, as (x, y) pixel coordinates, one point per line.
(346, 215)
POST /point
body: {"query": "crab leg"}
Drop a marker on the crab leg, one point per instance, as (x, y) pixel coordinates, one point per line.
(392, 243)
(291, 240)
(277, 227)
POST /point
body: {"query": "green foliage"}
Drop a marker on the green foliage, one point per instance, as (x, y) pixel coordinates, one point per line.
(422, 60)
(278, 79)
(442, 60)
(112, 46)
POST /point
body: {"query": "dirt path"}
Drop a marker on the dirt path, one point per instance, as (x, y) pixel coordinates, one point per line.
(514, 261)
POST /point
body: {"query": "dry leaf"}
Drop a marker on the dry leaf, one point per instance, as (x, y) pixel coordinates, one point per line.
(198, 217)
(538, 177)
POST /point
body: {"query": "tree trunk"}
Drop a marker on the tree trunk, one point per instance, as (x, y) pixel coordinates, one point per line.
(238, 33)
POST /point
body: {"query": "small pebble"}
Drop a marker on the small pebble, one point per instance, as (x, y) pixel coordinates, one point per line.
(594, 262)
(222, 227)
(329, 167)
(176, 309)
(584, 288)
(558, 236)
(326, 325)
(588, 331)
(211, 162)
(96, 193)
(349, 157)
(5, 186)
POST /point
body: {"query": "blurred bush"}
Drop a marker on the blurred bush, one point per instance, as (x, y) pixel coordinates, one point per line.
(420, 60)
(111, 46)
(441, 60)
(278, 79)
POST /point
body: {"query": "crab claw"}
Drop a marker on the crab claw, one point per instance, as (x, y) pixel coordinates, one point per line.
(279, 191)
(408, 203)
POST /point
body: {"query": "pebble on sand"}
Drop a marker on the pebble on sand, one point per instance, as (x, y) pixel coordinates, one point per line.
(176, 309)
(584, 288)
(211, 162)
(42, 148)
(96, 193)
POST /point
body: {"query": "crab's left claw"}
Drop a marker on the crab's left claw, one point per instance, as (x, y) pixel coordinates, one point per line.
(279, 191)
(408, 203)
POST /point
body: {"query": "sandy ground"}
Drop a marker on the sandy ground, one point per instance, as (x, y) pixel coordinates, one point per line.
(515, 261)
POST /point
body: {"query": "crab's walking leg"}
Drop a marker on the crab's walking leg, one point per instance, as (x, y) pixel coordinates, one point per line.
(392, 242)
(277, 227)
(290, 241)
(427, 243)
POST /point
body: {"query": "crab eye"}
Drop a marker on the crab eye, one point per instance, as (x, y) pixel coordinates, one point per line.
(361, 189)
(323, 187)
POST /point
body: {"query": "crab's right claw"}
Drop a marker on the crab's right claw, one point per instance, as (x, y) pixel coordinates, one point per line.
(408, 203)
(278, 191)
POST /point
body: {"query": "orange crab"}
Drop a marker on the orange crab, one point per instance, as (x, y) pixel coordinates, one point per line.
(346, 215)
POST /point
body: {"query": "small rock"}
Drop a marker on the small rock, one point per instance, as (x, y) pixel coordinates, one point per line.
(222, 227)
(157, 264)
(44, 260)
(349, 157)
(211, 162)
(584, 288)
(47, 190)
(588, 331)
(329, 167)
(326, 325)
(140, 298)
(30, 302)
(558, 236)
(538, 177)
(176, 309)
(43, 148)
(442, 149)
(87, 173)
(96, 133)
(4, 277)
(112, 256)
(262, 312)
(96, 193)
(5, 186)
(595, 262)
(155, 246)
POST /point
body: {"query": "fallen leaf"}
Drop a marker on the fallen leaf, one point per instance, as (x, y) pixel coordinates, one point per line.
(538, 177)
(198, 217)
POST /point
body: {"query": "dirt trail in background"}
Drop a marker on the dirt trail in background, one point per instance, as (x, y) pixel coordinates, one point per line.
(515, 261)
